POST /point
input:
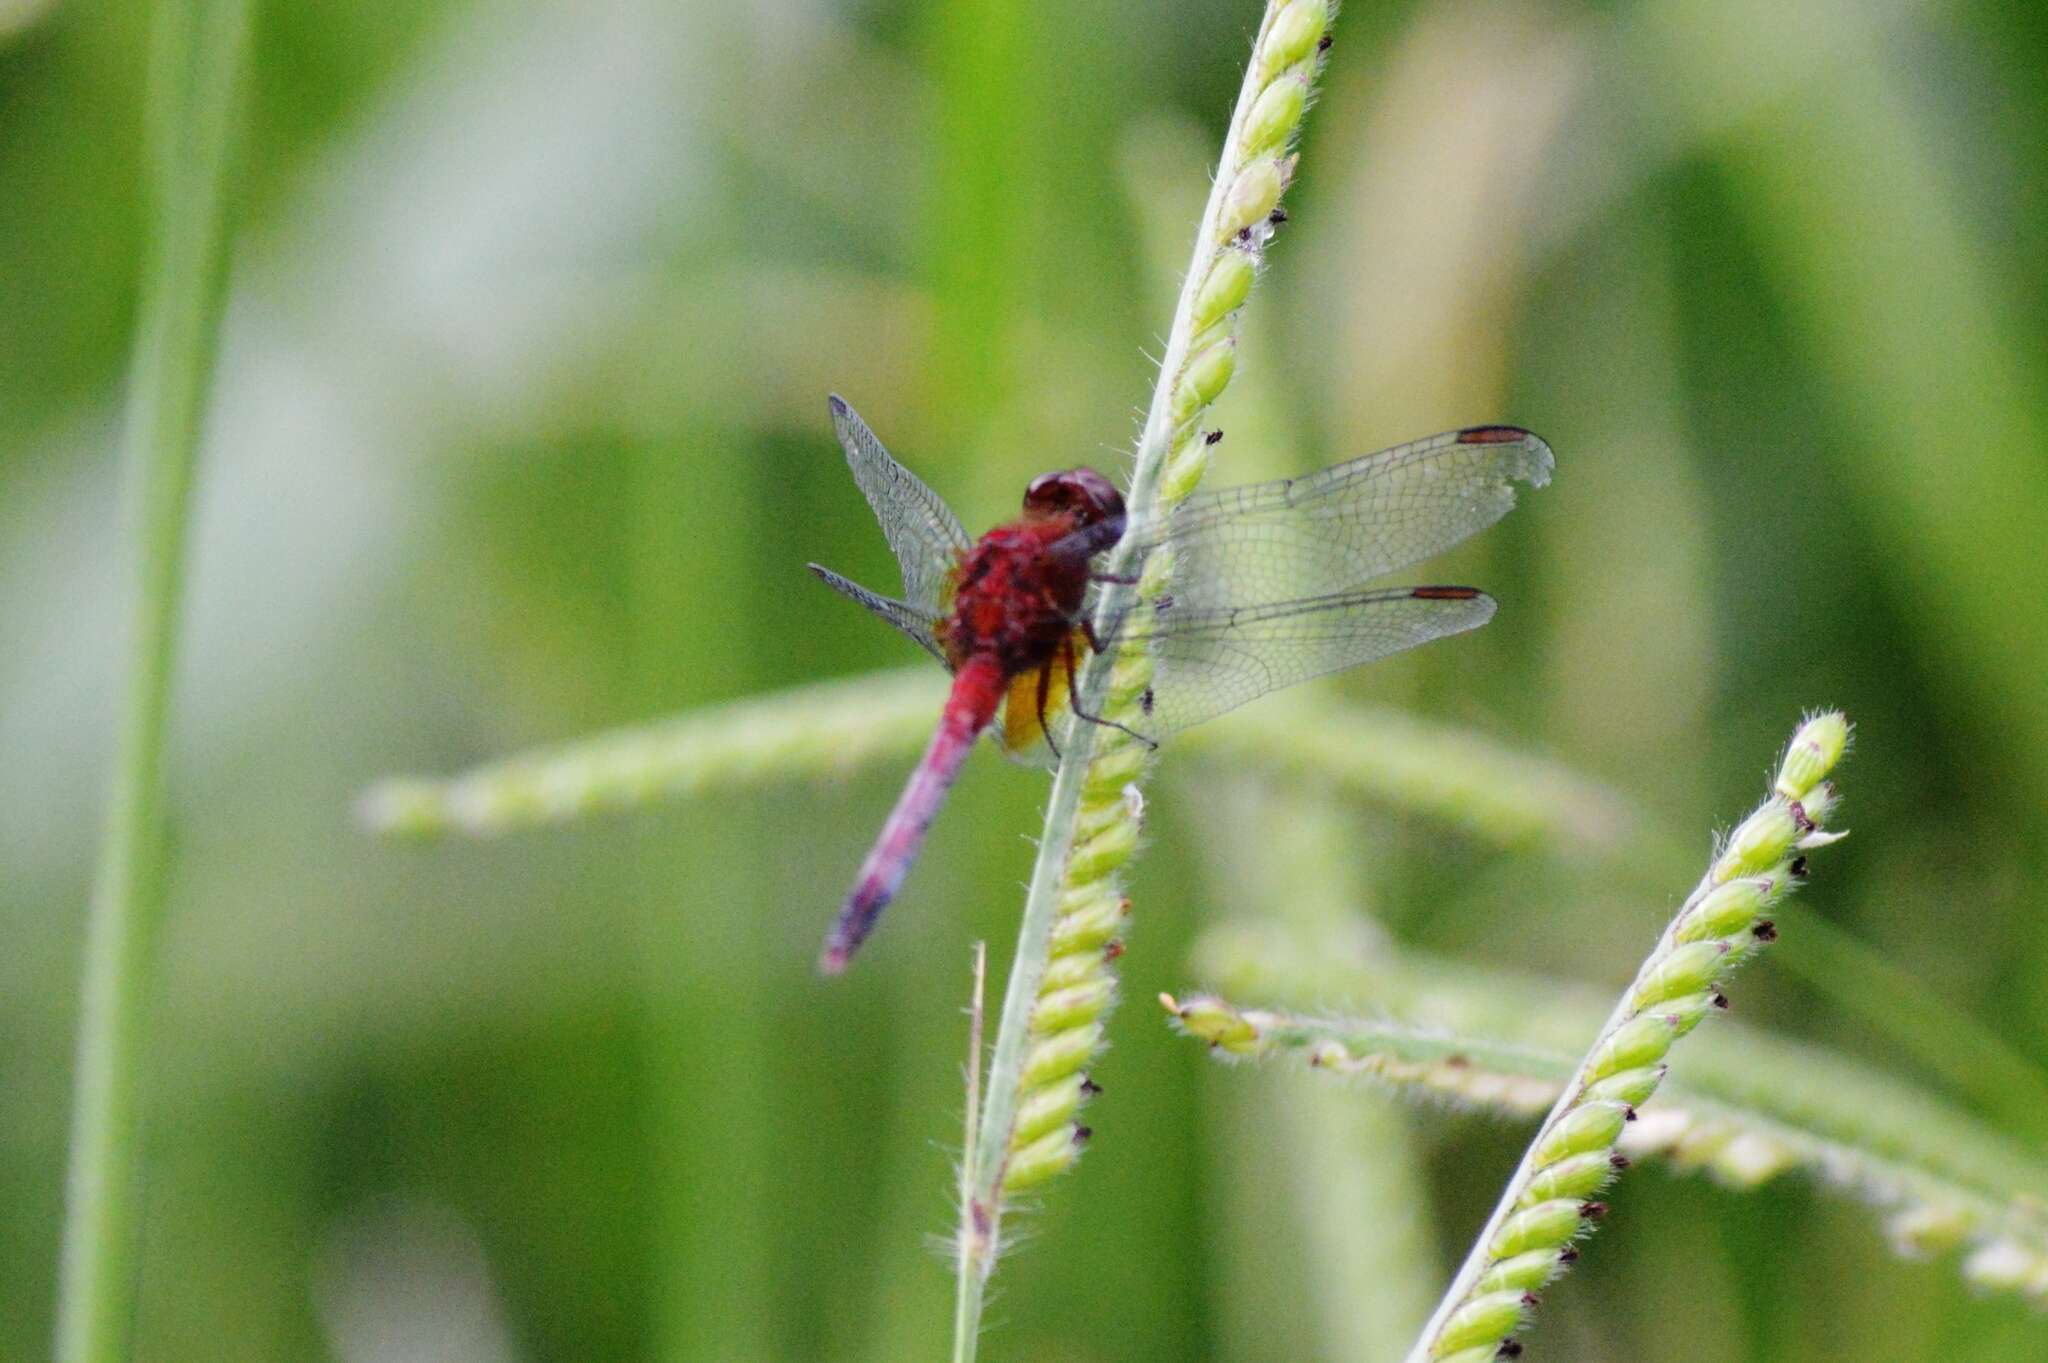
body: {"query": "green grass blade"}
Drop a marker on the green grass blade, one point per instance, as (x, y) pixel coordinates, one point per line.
(197, 57)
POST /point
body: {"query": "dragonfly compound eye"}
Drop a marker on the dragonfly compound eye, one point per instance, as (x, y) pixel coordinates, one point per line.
(1082, 493)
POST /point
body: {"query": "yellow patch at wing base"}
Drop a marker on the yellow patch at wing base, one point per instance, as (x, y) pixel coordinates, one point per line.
(1018, 732)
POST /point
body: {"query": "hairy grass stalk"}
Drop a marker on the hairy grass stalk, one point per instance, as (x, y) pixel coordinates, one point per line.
(197, 55)
(1551, 1200)
(976, 1019)
(1485, 1038)
(820, 730)
(1060, 983)
(1272, 963)
(1369, 753)
(1746, 1111)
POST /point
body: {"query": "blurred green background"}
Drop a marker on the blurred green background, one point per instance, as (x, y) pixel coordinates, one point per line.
(519, 433)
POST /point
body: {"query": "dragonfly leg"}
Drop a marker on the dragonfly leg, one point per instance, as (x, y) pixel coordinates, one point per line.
(1097, 640)
(1118, 578)
(1045, 694)
(1074, 693)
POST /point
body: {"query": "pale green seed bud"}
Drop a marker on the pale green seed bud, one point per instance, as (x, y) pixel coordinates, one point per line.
(1094, 819)
(1579, 1177)
(1047, 1108)
(1589, 1126)
(1111, 771)
(1686, 1013)
(1294, 35)
(1483, 1320)
(1275, 115)
(1685, 969)
(1047, 1157)
(1056, 1057)
(1928, 1229)
(1634, 1044)
(1329, 1055)
(1071, 1007)
(1729, 909)
(1815, 749)
(1183, 471)
(1104, 852)
(404, 806)
(1749, 1160)
(1251, 197)
(1214, 1021)
(1206, 375)
(1819, 802)
(1760, 843)
(1544, 1226)
(1224, 291)
(1158, 571)
(1631, 1088)
(1064, 972)
(1522, 1273)
(2002, 1266)
(1089, 926)
(1740, 950)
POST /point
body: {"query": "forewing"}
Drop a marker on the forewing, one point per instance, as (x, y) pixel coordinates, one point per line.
(922, 531)
(918, 624)
(1332, 531)
(1210, 660)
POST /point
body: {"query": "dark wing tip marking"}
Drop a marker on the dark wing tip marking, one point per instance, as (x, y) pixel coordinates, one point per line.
(1446, 593)
(1541, 462)
(838, 404)
(1491, 435)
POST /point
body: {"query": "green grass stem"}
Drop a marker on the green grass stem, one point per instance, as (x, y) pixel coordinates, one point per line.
(1549, 1200)
(197, 57)
(1090, 823)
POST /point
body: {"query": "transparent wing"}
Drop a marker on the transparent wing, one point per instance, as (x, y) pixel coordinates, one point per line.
(922, 531)
(1209, 660)
(1333, 531)
(918, 624)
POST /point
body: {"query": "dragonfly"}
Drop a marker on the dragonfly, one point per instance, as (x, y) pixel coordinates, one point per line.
(1270, 585)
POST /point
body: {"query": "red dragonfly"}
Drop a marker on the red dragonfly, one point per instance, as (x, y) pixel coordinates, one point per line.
(1267, 590)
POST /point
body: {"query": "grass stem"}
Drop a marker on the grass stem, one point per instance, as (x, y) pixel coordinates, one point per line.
(1199, 358)
(197, 56)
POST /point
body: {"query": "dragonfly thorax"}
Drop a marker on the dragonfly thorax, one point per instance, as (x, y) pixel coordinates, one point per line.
(1017, 595)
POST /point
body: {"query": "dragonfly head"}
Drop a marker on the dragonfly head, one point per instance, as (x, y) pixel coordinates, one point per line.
(1081, 494)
